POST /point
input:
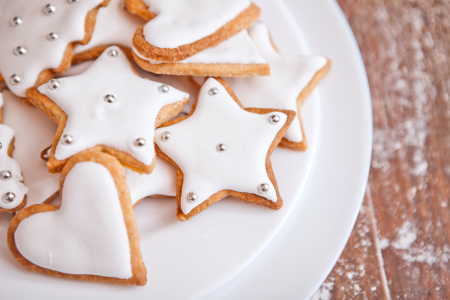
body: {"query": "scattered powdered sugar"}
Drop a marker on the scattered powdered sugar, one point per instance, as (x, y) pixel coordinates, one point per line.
(422, 254)
(412, 251)
(406, 235)
(350, 275)
(384, 243)
(324, 292)
(411, 78)
(410, 99)
(408, 66)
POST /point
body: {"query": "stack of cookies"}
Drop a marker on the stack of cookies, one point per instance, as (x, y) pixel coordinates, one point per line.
(78, 120)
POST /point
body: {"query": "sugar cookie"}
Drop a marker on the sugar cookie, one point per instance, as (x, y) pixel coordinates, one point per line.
(179, 29)
(12, 189)
(91, 236)
(38, 38)
(114, 26)
(292, 79)
(107, 108)
(236, 56)
(33, 131)
(221, 149)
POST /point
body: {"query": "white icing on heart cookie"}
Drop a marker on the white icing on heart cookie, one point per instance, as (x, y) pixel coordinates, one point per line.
(162, 181)
(87, 235)
(181, 22)
(289, 76)
(12, 189)
(114, 26)
(31, 137)
(239, 49)
(194, 145)
(35, 37)
(110, 105)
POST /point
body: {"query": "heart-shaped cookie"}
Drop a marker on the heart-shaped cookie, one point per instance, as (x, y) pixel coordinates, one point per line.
(91, 236)
(178, 29)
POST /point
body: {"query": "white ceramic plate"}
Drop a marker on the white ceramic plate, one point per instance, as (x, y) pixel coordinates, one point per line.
(323, 187)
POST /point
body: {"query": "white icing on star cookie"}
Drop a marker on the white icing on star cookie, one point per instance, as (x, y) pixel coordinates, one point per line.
(114, 26)
(161, 182)
(12, 189)
(238, 49)
(289, 76)
(110, 105)
(31, 137)
(194, 146)
(87, 235)
(181, 22)
(27, 46)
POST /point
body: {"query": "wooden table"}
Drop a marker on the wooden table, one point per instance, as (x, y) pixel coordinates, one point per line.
(400, 246)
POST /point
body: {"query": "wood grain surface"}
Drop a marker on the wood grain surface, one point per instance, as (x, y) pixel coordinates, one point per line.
(400, 246)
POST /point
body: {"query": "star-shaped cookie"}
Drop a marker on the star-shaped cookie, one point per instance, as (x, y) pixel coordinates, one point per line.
(107, 32)
(221, 149)
(38, 38)
(107, 108)
(292, 79)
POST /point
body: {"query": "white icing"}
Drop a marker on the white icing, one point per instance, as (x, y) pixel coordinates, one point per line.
(87, 235)
(92, 121)
(162, 181)
(68, 22)
(238, 49)
(220, 120)
(114, 26)
(1, 99)
(289, 76)
(15, 184)
(31, 137)
(181, 22)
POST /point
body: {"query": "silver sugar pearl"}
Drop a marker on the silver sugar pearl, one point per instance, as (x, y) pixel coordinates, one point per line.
(5, 175)
(14, 79)
(49, 9)
(163, 88)
(109, 98)
(8, 197)
(221, 148)
(54, 84)
(67, 139)
(274, 119)
(72, 1)
(263, 188)
(140, 142)
(1, 145)
(192, 197)
(19, 50)
(122, 6)
(213, 91)
(16, 21)
(165, 136)
(113, 52)
(52, 36)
